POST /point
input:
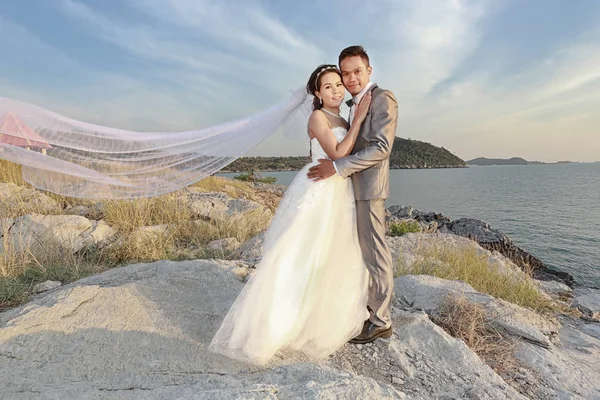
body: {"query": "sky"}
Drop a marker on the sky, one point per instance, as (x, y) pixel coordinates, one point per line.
(491, 78)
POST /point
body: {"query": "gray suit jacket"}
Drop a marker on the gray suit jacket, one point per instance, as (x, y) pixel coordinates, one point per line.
(369, 161)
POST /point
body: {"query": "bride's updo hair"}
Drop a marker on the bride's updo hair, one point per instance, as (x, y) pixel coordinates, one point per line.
(314, 82)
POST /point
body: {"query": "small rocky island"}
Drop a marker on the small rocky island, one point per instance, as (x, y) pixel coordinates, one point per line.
(119, 300)
(482, 161)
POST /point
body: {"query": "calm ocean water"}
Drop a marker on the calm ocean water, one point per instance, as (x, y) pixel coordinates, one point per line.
(551, 211)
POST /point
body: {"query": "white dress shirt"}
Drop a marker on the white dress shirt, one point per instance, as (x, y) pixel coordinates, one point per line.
(355, 100)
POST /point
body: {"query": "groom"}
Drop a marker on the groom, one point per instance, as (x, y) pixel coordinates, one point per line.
(368, 164)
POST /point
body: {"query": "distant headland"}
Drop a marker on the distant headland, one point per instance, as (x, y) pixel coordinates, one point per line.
(482, 161)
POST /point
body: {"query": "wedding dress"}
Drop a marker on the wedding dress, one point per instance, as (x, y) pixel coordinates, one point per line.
(309, 292)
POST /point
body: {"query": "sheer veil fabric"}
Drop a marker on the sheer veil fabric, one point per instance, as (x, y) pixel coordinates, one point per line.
(79, 159)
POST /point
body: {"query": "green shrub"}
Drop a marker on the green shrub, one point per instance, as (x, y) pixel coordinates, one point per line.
(399, 229)
(254, 178)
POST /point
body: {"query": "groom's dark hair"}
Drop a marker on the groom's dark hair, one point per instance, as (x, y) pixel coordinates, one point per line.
(354, 51)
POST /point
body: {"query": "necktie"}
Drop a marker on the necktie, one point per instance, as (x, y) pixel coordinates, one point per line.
(351, 115)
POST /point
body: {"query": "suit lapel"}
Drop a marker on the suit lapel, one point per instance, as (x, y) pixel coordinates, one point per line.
(365, 128)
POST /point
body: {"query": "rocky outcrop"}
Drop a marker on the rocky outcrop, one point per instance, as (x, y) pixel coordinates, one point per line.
(141, 332)
(410, 248)
(559, 359)
(427, 293)
(423, 361)
(483, 234)
(493, 239)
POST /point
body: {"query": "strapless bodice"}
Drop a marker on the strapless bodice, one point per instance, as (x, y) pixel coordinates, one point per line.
(316, 149)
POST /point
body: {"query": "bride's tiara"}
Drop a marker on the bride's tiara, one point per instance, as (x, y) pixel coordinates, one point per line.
(324, 69)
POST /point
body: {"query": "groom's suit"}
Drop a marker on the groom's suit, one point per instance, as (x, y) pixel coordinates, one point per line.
(369, 167)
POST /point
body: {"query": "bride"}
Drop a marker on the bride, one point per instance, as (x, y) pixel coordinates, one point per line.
(309, 292)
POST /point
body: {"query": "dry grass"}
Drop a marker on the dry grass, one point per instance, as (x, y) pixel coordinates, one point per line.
(469, 266)
(23, 265)
(148, 229)
(11, 173)
(25, 202)
(233, 188)
(467, 321)
(127, 215)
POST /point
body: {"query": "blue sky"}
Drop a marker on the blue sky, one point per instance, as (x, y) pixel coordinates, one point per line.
(481, 78)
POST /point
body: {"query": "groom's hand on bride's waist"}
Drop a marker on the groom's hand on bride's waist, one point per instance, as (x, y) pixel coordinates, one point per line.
(323, 170)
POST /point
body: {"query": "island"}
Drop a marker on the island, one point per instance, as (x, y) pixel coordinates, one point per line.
(483, 161)
(406, 154)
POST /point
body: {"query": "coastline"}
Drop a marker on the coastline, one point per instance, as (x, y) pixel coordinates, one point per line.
(228, 171)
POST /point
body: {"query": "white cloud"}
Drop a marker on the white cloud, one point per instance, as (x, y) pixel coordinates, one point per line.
(64, 85)
(238, 41)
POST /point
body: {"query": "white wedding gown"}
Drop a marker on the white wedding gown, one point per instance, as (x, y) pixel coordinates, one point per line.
(309, 292)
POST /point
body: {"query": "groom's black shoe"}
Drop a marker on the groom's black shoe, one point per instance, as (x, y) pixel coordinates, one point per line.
(371, 332)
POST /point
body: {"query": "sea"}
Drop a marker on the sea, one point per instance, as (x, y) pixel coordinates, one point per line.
(551, 210)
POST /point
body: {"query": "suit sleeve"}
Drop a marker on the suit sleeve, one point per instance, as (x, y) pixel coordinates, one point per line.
(383, 130)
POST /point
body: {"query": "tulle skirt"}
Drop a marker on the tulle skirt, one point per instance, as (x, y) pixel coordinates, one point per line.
(309, 292)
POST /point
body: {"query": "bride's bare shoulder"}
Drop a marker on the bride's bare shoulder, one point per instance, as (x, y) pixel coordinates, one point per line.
(317, 115)
(317, 119)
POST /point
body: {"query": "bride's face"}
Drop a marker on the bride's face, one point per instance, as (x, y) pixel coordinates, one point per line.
(332, 90)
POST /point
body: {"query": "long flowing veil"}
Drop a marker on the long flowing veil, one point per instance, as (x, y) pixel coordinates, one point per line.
(78, 159)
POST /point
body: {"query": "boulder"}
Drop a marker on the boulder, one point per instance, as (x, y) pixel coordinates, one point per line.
(148, 234)
(45, 286)
(554, 289)
(220, 207)
(18, 200)
(82, 211)
(589, 304)
(41, 234)
(252, 248)
(223, 246)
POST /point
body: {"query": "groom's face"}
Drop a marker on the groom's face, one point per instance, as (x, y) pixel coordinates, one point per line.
(356, 74)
